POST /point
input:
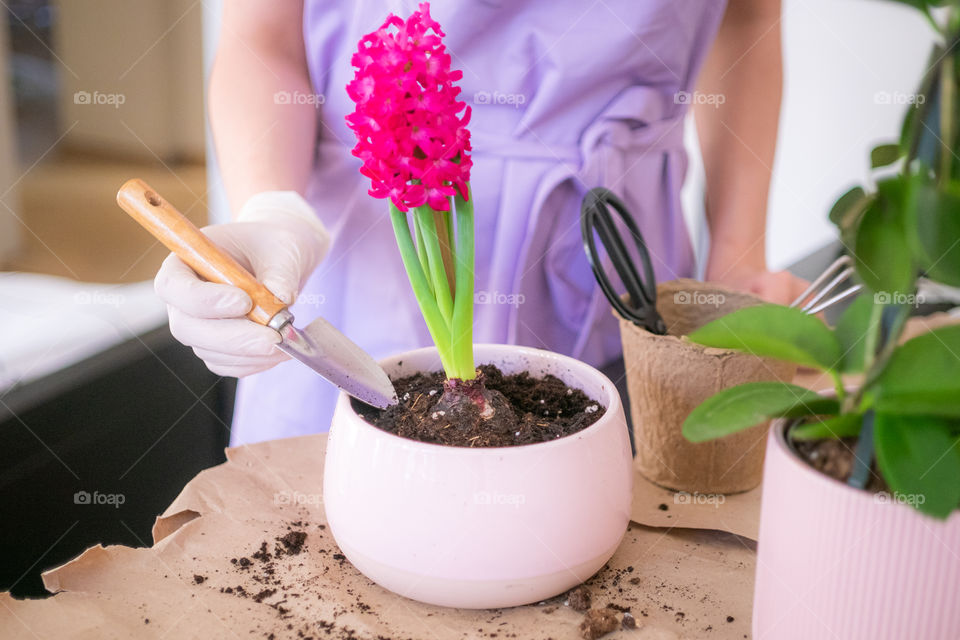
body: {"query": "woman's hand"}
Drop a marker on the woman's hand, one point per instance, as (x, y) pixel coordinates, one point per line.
(279, 239)
(779, 287)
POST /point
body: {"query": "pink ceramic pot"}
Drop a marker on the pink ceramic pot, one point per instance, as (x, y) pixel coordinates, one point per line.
(837, 562)
(481, 528)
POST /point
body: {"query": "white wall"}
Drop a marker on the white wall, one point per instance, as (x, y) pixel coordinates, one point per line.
(841, 59)
(840, 56)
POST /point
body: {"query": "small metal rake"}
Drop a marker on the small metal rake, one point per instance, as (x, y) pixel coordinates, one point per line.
(812, 300)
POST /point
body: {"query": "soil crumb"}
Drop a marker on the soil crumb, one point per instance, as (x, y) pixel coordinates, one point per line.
(527, 410)
(579, 598)
(292, 542)
(317, 594)
(599, 622)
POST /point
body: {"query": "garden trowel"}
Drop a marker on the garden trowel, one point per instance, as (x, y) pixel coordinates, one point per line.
(320, 345)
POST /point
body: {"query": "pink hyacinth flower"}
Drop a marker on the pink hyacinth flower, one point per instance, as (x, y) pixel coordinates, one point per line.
(411, 136)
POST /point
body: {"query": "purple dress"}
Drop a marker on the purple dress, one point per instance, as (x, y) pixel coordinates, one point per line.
(566, 96)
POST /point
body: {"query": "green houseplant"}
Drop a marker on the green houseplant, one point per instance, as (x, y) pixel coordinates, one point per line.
(834, 560)
(904, 226)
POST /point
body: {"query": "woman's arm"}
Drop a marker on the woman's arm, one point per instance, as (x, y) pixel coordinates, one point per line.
(738, 136)
(263, 141)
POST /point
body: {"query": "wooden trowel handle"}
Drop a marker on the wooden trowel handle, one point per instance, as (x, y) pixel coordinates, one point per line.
(182, 237)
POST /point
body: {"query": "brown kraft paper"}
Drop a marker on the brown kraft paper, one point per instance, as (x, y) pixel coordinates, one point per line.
(205, 575)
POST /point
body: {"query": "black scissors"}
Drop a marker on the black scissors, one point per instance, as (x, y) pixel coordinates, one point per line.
(595, 216)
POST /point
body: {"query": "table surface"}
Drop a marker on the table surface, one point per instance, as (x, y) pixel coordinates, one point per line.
(203, 577)
(219, 568)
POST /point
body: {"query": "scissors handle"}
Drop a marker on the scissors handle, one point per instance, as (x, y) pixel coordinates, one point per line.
(595, 216)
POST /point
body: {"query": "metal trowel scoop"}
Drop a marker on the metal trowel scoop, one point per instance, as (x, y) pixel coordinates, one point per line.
(319, 346)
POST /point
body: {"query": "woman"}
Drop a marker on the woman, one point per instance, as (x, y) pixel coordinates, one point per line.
(566, 96)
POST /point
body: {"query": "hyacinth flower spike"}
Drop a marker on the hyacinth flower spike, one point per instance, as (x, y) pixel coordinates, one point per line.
(413, 141)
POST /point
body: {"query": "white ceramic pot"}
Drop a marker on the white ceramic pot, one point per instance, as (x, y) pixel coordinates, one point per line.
(485, 527)
(838, 562)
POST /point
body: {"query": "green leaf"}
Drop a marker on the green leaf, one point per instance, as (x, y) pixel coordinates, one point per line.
(842, 426)
(773, 331)
(847, 209)
(881, 249)
(922, 376)
(934, 220)
(851, 331)
(742, 407)
(884, 155)
(920, 460)
(820, 406)
(847, 212)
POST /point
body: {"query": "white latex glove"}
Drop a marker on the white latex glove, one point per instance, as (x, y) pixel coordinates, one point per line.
(280, 240)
